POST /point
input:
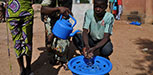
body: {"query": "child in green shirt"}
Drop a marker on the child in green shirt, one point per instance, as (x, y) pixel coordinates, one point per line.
(97, 29)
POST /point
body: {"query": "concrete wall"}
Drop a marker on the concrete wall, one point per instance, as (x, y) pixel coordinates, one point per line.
(143, 7)
(79, 11)
(134, 5)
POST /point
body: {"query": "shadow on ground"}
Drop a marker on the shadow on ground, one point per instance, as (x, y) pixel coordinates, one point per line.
(42, 66)
(146, 47)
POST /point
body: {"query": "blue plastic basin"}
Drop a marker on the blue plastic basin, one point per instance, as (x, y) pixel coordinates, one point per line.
(100, 66)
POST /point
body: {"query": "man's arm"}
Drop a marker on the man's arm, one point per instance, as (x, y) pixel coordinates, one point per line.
(103, 41)
(85, 40)
(45, 9)
(100, 44)
(50, 10)
(86, 26)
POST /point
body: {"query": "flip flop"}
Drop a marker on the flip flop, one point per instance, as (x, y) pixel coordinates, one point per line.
(132, 23)
(65, 67)
(137, 23)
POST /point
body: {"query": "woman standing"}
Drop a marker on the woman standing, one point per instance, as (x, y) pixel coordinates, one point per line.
(19, 14)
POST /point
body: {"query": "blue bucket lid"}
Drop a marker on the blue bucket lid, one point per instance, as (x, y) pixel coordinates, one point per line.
(101, 66)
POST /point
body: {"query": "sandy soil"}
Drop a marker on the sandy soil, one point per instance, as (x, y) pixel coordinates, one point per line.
(133, 51)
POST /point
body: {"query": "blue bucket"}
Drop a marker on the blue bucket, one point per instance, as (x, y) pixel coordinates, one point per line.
(100, 66)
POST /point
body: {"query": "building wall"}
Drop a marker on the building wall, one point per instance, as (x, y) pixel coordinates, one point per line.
(78, 12)
(134, 5)
(143, 7)
(152, 7)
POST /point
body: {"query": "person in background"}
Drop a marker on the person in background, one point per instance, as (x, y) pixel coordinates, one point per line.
(19, 14)
(52, 9)
(111, 2)
(120, 9)
(113, 7)
(97, 29)
(2, 11)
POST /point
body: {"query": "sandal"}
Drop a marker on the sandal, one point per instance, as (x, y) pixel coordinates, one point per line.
(65, 67)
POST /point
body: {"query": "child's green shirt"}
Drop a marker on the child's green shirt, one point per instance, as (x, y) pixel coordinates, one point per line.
(98, 28)
(111, 1)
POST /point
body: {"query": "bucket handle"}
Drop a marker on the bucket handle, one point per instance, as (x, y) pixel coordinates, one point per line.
(72, 18)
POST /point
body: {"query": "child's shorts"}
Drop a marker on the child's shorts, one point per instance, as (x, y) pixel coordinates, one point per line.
(60, 48)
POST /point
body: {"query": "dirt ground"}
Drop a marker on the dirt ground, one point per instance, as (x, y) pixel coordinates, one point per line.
(133, 51)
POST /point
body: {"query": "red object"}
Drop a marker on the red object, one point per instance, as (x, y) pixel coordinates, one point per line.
(114, 12)
(119, 2)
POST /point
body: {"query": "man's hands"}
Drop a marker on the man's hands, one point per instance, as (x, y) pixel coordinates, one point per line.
(88, 52)
(64, 11)
(84, 52)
